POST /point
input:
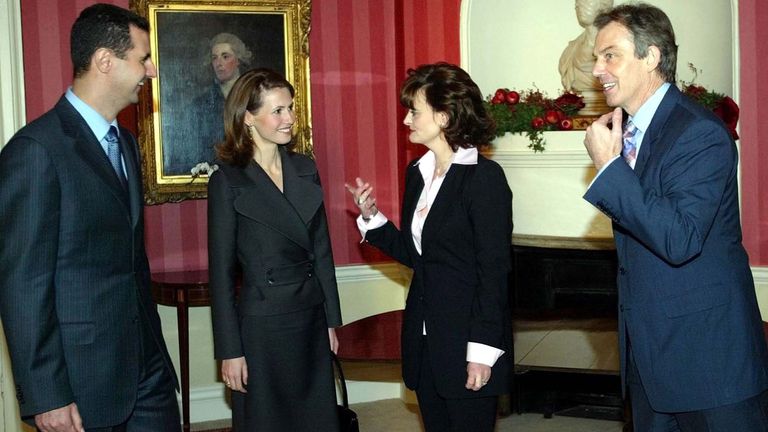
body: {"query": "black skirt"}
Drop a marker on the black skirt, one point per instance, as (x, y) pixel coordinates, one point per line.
(290, 375)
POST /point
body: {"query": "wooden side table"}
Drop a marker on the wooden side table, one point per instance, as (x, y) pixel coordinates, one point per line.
(182, 289)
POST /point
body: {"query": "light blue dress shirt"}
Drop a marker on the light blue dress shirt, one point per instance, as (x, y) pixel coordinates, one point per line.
(98, 124)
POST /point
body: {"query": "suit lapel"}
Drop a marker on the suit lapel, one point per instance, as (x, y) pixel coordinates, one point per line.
(89, 149)
(414, 184)
(652, 146)
(300, 189)
(263, 202)
(448, 196)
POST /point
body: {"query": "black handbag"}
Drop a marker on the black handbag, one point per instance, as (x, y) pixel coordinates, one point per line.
(347, 417)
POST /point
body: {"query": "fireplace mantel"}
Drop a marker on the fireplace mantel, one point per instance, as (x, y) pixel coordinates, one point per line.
(558, 242)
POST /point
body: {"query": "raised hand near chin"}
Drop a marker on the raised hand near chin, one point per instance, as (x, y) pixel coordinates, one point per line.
(603, 143)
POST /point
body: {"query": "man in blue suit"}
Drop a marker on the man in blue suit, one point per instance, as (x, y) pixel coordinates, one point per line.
(83, 333)
(693, 354)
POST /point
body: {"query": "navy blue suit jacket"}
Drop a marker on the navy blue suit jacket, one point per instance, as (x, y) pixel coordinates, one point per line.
(686, 296)
(74, 276)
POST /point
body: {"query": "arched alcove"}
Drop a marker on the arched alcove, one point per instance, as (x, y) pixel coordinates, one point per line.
(518, 43)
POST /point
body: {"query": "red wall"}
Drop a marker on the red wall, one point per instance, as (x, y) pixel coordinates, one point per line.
(753, 32)
(360, 50)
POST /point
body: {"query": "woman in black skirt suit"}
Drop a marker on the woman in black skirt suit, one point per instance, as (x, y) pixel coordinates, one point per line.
(267, 229)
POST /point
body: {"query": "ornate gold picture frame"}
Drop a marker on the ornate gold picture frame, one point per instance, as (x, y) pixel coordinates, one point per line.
(180, 117)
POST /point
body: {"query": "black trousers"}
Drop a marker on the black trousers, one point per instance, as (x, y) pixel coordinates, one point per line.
(750, 415)
(440, 414)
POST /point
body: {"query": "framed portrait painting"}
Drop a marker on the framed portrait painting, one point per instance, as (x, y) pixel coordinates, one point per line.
(200, 47)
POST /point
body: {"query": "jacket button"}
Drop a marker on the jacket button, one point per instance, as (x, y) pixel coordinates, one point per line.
(622, 270)
(311, 257)
(271, 281)
(309, 274)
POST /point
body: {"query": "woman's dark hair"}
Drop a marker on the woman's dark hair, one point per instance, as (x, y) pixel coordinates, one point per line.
(648, 26)
(246, 95)
(102, 26)
(449, 89)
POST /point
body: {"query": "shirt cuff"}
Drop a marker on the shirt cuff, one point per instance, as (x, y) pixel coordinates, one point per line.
(376, 221)
(482, 353)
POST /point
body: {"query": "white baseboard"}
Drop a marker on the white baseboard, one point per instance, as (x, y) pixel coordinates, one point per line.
(208, 403)
(367, 391)
(760, 274)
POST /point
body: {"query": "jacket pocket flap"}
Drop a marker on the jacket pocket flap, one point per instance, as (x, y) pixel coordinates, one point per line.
(696, 300)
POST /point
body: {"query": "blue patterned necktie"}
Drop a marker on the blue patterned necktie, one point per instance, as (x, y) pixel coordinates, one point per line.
(629, 151)
(113, 153)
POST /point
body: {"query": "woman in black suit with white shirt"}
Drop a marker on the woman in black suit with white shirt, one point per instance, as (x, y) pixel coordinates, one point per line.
(457, 223)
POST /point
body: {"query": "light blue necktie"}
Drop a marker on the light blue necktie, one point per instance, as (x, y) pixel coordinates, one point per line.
(113, 153)
(629, 150)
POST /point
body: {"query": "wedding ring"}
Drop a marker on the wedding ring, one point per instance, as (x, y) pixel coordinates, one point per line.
(360, 201)
(484, 382)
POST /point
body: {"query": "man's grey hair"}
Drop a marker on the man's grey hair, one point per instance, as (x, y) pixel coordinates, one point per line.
(241, 51)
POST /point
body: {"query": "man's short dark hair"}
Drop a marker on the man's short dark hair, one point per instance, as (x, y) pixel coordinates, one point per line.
(648, 26)
(102, 26)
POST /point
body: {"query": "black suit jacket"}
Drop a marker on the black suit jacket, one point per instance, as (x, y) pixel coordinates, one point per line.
(74, 276)
(460, 281)
(280, 242)
(687, 299)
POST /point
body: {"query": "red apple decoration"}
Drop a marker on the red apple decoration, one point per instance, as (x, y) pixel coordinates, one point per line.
(552, 117)
(537, 123)
(497, 100)
(513, 97)
(500, 94)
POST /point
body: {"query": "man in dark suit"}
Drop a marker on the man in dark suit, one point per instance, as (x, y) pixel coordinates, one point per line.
(693, 353)
(82, 330)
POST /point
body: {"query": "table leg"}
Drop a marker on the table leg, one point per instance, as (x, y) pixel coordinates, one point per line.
(182, 313)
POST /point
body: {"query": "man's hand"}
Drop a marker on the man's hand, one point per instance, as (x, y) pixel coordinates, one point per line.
(64, 419)
(604, 144)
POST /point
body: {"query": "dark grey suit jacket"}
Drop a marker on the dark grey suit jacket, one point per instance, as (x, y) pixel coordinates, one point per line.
(280, 241)
(74, 276)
